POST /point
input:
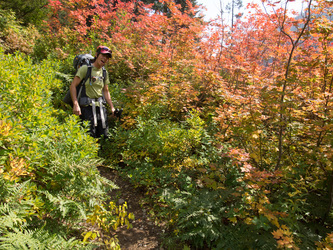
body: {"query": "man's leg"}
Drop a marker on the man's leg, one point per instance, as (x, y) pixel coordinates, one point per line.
(87, 115)
(100, 131)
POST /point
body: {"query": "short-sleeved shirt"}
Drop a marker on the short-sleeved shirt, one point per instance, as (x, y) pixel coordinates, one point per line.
(94, 88)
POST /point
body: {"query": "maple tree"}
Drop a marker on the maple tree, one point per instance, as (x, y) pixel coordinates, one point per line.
(275, 103)
(160, 6)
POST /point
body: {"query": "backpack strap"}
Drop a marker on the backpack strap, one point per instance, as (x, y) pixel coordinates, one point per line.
(104, 80)
(104, 75)
(82, 92)
(81, 86)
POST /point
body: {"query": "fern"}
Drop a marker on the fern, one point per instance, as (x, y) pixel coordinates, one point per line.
(15, 210)
(64, 208)
(19, 240)
(39, 239)
(10, 218)
(199, 217)
(12, 192)
(4, 186)
(67, 78)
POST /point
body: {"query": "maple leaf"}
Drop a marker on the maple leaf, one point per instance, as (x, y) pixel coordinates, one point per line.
(278, 234)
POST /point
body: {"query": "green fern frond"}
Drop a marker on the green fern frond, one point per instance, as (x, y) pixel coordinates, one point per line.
(10, 218)
(39, 239)
(68, 78)
(14, 191)
(65, 207)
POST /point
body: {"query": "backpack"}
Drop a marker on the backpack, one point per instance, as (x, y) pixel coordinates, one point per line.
(80, 60)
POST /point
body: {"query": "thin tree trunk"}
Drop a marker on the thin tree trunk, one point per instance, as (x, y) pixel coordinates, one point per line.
(285, 81)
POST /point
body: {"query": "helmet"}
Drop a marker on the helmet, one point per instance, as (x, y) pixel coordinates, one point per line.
(104, 50)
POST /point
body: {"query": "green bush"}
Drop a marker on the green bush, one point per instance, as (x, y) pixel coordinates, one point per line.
(166, 149)
(28, 12)
(49, 176)
(207, 190)
(15, 37)
(175, 163)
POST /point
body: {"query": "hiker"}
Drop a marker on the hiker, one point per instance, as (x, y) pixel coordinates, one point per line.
(91, 106)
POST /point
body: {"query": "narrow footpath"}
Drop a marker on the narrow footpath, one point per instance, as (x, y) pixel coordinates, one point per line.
(144, 234)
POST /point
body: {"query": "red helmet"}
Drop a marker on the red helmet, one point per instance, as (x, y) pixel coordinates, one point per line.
(104, 50)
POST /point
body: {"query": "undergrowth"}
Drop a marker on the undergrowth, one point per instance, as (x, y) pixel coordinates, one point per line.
(208, 192)
(49, 182)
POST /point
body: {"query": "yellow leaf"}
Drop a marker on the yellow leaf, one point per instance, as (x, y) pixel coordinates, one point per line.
(248, 220)
(278, 234)
(233, 219)
(86, 237)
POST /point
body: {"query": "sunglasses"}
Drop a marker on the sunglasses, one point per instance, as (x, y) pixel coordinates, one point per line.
(105, 50)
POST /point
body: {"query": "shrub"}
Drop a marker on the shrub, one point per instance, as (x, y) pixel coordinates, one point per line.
(15, 37)
(210, 193)
(48, 168)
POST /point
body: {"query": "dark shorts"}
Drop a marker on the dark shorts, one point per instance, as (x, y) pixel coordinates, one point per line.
(87, 115)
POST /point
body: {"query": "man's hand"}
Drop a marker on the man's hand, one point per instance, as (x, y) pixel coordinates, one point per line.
(76, 109)
(117, 113)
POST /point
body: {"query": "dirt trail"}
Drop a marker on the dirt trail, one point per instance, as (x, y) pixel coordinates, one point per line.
(144, 234)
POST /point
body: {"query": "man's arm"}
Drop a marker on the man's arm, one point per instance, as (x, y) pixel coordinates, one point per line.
(72, 88)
